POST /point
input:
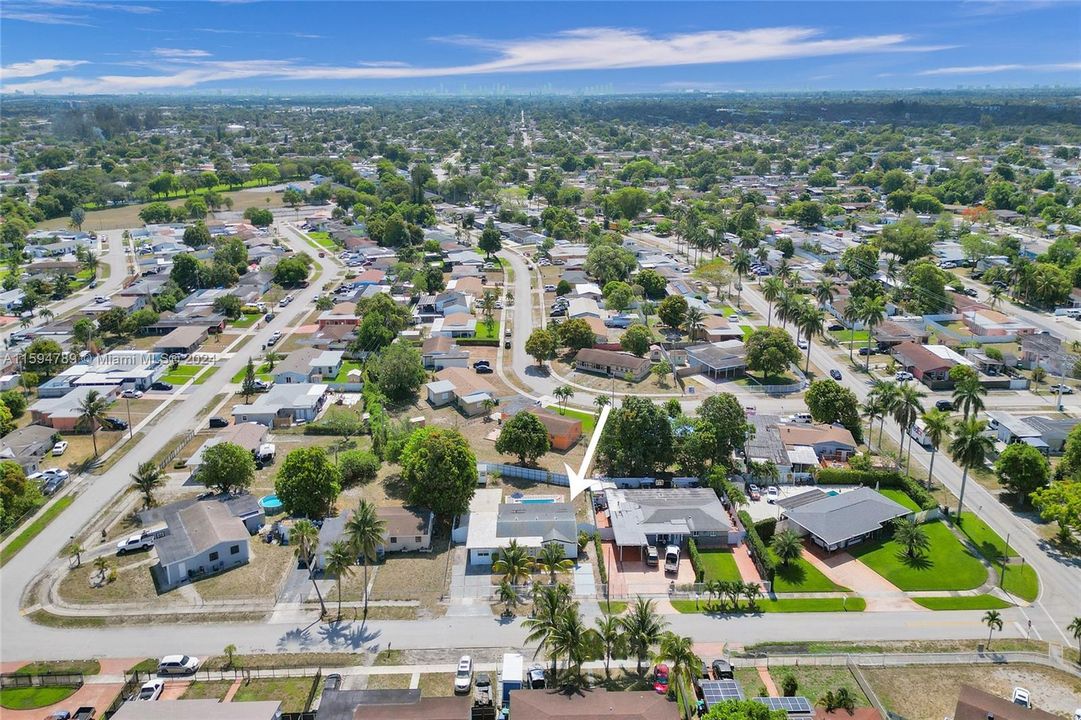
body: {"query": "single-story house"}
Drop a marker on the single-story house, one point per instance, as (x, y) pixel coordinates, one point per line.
(248, 435)
(407, 530)
(493, 524)
(765, 446)
(459, 324)
(202, 709)
(727, 359)
(580, 307)
(63, 413)
(297, 366)
(563, 431)
(284, 405)
(610, 362)
(341, 314)
(326, 364)
(895, 331)
(830, 442)
(835, 522)
(182, 341)
(245, 507)
(716, 328)
(1010, 429)
(202, 539)
(992, 322)
(441, 352)
(1053, 431)
(650, 516)
(592, 704)
(976, 704)
(27, 446)
(337, 704)
(467, 390)
(926, 366)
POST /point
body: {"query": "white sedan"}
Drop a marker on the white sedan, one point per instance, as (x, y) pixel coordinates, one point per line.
(151, 690)
(60, 448)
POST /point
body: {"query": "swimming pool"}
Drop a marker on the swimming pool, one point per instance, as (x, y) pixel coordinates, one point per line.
(270, 504)
(536, 501)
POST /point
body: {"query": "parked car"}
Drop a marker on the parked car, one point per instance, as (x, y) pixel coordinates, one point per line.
(483, 370)
(135, 543)
(835, 374)
(507, 333)
(671, 559)
(482, 690)
(482, 363)
(506, 344)
(660, 679)
(162, 386)
(1064, 389)
(971, 292)
(55, 473)
(262, 385)
(558, 312)
(803, 418)
(733, 317)
(463, 678)
(115, 423)
(836, 326)
(649, 553)
(772, 494)
(333, 681)
(754, 492)
(151, 690)
(178, 665)
(722, 670)
(945, 405)
(60, 448)
(51, 485)
(801, 344)
(1022, 697)
(100, 299)
(537, 678)
(132, 394)
(902, 376)
(218, 422)
(549, 288)
(274, 338)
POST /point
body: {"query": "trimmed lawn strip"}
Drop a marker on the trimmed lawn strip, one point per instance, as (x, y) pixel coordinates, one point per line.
(947, 564)
(40, 523)
(293, 692)
(184, 373)
(900, 498)
(322, 238)
(277, 661)
(614, 607)
(990, 543)
(484, 333)
(814, 681)
(589, 422)
(1021, 580)
(968, 602)
(246, 320)
(86, 667)
(261, 371)
(801, 576)
(34, 697)
(837, 604)
(719, 565)
(397, 681)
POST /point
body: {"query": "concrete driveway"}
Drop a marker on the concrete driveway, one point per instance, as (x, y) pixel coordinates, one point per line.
(633, 577)
(843, 569)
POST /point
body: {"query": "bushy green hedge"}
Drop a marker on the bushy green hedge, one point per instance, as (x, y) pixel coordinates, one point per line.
(879, 478)
(696, 560)
(755, 546)
(766, 528)
(601, 568)
(483, 342)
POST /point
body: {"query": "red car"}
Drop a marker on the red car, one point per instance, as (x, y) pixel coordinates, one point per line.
(660, 679)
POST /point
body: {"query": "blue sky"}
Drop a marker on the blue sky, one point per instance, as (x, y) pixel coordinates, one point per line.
(129, 46)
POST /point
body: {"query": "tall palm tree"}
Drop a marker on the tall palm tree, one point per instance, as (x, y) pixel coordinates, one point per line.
(552, 559)
(46, 314)
(76, 550)
(810, 323)
(1075, 629)
(365, 531)
(823, 291)
(936, 428)
(92, 413)
(772, 289)
(563, 393)
(549, 604)
(513, 563)
(853, 313)
(872, 409)
(969, 448)
(741, 263)
(340, 561)
(146, 480)
(905, 413)
(693, 322)
(610, 632)
(874, 312)
(787, 306)
(643, 628)
(994, 297)
(508, 595)
(993, 620)
(601, 400)
(888, 393)
(305, 539)
(968, 394)
(573, 639)
(684, 664)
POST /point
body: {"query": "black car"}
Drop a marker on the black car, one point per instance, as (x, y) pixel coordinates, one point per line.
(115, 423)
(483, 370)
(558, 312)
(835, 374)
(218, 422)
(971, 292)
(722, 670)
(868, 351)
(481, 363)
(159, 385)
(944, 405)
(837, 326)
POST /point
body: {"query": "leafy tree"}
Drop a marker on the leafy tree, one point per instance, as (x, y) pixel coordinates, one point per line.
(830, 402)
(78, 216)
(927, 286)
(743, 710)
(259, 217)
(229, 305)
(490, 240)
(43, 356)
(628, 202)
(618, 296)
(807, 214)
(15, 402)
(610, 262)
(1061, 503)
(358, 466)
(308, 482)
(197, 235)
(524, 435)
(911, 536)
(652, 282)
(771, 350)
(787, 547)
(541, 345)
(637, 440)
(726, 421)
(860, 261)
(563, 287)
(248, 386)
(908, 239)
(146, 480)
(156, 212)
(226, 467)
(290, 271)
(1022, 469)
(636, 339)
(576, 334)
(673, 311)
(439, 470)
(399, 370)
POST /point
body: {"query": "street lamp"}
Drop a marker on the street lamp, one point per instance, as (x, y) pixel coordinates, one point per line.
(127, 405)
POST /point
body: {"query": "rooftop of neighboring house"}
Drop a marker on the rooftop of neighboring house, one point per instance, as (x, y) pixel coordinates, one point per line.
(298, 361)
(798, 434)
(836, 518)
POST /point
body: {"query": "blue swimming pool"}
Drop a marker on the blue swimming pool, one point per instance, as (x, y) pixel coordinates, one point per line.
(270, 504)
(536, 501)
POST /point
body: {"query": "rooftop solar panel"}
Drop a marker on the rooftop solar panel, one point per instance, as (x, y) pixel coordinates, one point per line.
(791, 705)
(717, 691)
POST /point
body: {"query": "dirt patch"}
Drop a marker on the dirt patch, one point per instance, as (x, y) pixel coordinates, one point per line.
(408, 576)
(260, 578)
(133, 583)
(389, 682)
(1052, 690)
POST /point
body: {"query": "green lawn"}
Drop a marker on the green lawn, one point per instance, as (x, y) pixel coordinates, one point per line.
(748, 330)
(850, 335)
(86, 667)
(34, 697)
(261, 371)
(323, 240)
(343, 374)
(588, 421)
(990, 543)
(1021, 580)
(614, 607)
(802, 576)
(246, 320)
(486, 332)
(719, 565)
(184, 373)
(293, 692)
(947, 564)
(968, 602)
(793, 605)
(20, 541)
(815, 681)
(900, 498)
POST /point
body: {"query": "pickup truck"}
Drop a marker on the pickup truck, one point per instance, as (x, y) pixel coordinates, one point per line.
(482, 690)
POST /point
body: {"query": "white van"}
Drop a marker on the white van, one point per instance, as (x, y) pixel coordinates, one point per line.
(671, 559)
(918, 432)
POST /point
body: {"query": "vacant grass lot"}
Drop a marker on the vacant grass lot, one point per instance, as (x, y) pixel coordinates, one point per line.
(487, 331)
(322, 239)
(947, 564)
(801, 576)
(293, 692)
(966, 602)
(719, 565)
(212, 690)
(86, 667)
(814, 681)
(35, 697)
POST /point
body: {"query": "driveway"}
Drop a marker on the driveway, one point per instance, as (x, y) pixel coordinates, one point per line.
(633, 577)
(845, 570)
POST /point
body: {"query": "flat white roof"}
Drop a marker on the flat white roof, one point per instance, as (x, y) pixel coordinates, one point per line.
(946, 353)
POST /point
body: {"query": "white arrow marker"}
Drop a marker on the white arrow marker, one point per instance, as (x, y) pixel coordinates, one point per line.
(580, 480)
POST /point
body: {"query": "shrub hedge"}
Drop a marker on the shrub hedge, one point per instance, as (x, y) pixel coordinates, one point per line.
(696, 560)
(755, 546)
(880, 478)
(601, 569)
(483, 342)
(765, 529)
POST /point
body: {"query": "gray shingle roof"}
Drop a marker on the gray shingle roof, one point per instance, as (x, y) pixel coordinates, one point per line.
(836, 518)
(634, 514)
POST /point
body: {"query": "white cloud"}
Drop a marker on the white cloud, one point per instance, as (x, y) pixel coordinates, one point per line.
(125, 7)
(45, 18)
(34, 68)
(1005, 67)
(578, 49)
(180, 53)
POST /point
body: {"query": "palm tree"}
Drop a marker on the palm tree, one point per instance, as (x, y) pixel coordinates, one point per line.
(906, 412)
(912, 536)
(741, 263)
(853, 313)
(573, 639)
(994, 297)
(936, 428)
(810, 323)
(552, 559)
(787, 306)
(340, 560)
(872, 409)
(888, 393)
(513, 563)
(993, 620)
(693, 322)
(305, 539)
(365, 532)
(92, 413)
(601, 400)
(772, 289)
(969, 449)
(76, 551)
(684, 663)
(549, 604)
(968, 394)
(874, 312)
(46, 314)
(643, 627)
(146, 480)
(786, 545)
(1075, 629)
(823, 291)
(563, 393)
(752, 591)
(610, 632)
(508, 595)
(101, 564)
